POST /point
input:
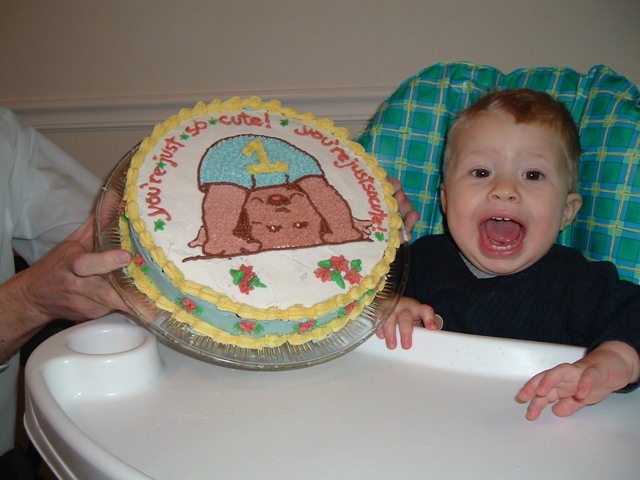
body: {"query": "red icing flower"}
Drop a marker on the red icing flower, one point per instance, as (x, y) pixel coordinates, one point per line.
(189, 305)
(247, 326)
(139, 260)
(340, 263)
(244, 284)
(323, 274)
(352, 276)
(246, 279)
(338, 269)
(349, 307)
(306, 326)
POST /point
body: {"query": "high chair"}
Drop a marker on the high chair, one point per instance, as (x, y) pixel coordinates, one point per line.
(408, 134)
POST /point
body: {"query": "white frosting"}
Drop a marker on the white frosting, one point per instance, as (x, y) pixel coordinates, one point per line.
(288, 274)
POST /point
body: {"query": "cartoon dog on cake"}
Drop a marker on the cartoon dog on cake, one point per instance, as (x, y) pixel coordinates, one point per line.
(262, 193)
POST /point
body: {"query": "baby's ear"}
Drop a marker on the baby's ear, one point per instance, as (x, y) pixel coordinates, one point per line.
(571, 208)
(443, 198)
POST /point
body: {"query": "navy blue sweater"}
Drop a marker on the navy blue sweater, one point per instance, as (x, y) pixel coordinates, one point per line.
(563, 298)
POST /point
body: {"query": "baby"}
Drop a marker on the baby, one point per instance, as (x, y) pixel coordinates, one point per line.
(509, 187)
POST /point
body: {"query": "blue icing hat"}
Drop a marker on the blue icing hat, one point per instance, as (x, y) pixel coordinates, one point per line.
(255, 161)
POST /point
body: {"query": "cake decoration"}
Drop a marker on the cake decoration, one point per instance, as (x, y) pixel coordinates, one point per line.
(264, 225)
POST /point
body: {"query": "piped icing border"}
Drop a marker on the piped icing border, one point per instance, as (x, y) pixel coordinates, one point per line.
(222, 301)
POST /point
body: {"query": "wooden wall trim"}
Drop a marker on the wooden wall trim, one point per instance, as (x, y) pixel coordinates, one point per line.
(344, 106)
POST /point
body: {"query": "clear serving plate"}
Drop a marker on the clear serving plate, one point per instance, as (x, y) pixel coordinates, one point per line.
(179, 336)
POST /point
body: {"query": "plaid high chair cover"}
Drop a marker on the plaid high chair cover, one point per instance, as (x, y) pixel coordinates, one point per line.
(408, 133)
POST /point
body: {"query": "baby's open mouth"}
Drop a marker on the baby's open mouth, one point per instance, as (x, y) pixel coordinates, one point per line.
(501, 234)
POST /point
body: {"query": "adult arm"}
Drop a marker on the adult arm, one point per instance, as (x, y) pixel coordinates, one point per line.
(45, 195)
(65, 283)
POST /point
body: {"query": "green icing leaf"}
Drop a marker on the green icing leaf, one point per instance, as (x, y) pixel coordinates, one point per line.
(237, 276)
(255, 282)
(325, 264)
(336, 276)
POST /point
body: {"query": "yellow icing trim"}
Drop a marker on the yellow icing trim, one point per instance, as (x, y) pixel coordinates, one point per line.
(265, 165)
(223, 302)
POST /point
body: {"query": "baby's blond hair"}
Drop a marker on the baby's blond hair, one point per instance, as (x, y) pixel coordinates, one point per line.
(525, 106)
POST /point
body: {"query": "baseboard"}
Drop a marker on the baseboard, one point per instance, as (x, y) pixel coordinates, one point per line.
(345, 106)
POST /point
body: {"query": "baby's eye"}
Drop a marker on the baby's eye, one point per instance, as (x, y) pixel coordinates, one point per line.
(533, 175)
(480, 173)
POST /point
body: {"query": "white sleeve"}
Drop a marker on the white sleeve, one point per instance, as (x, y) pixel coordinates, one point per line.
(8, 402)
(50, 194)
(44, 196)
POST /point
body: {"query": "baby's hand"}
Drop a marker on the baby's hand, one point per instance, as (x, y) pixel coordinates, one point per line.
(405, 207)
(608, 368)
(408, 312)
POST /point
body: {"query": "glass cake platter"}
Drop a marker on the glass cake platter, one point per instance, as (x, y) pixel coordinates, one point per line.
(181, 337)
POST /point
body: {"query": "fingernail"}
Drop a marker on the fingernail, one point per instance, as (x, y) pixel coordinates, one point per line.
(123, 258)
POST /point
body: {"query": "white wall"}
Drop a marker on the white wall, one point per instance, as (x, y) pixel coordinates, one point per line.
(96, 75)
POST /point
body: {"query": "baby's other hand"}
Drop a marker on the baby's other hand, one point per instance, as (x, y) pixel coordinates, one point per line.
(405, 207)
(408, 312)
(608, 368)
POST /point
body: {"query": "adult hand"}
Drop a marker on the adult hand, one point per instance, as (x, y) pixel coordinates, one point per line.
(65, 283)
(570, 387)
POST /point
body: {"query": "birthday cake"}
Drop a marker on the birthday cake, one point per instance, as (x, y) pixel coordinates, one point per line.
(255, 225)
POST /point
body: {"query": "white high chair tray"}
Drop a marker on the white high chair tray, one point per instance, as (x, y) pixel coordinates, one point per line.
(445, 409)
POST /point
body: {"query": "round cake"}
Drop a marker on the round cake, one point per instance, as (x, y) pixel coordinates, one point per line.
(256, 225)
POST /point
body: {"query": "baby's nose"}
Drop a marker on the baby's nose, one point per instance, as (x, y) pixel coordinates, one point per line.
(504, 190)
(278, 200)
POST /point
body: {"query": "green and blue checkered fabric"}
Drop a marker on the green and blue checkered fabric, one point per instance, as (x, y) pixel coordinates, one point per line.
(408, 133)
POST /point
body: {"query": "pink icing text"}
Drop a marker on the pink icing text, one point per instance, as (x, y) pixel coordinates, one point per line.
(153, 197)
(243, 118)
(344, 160)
